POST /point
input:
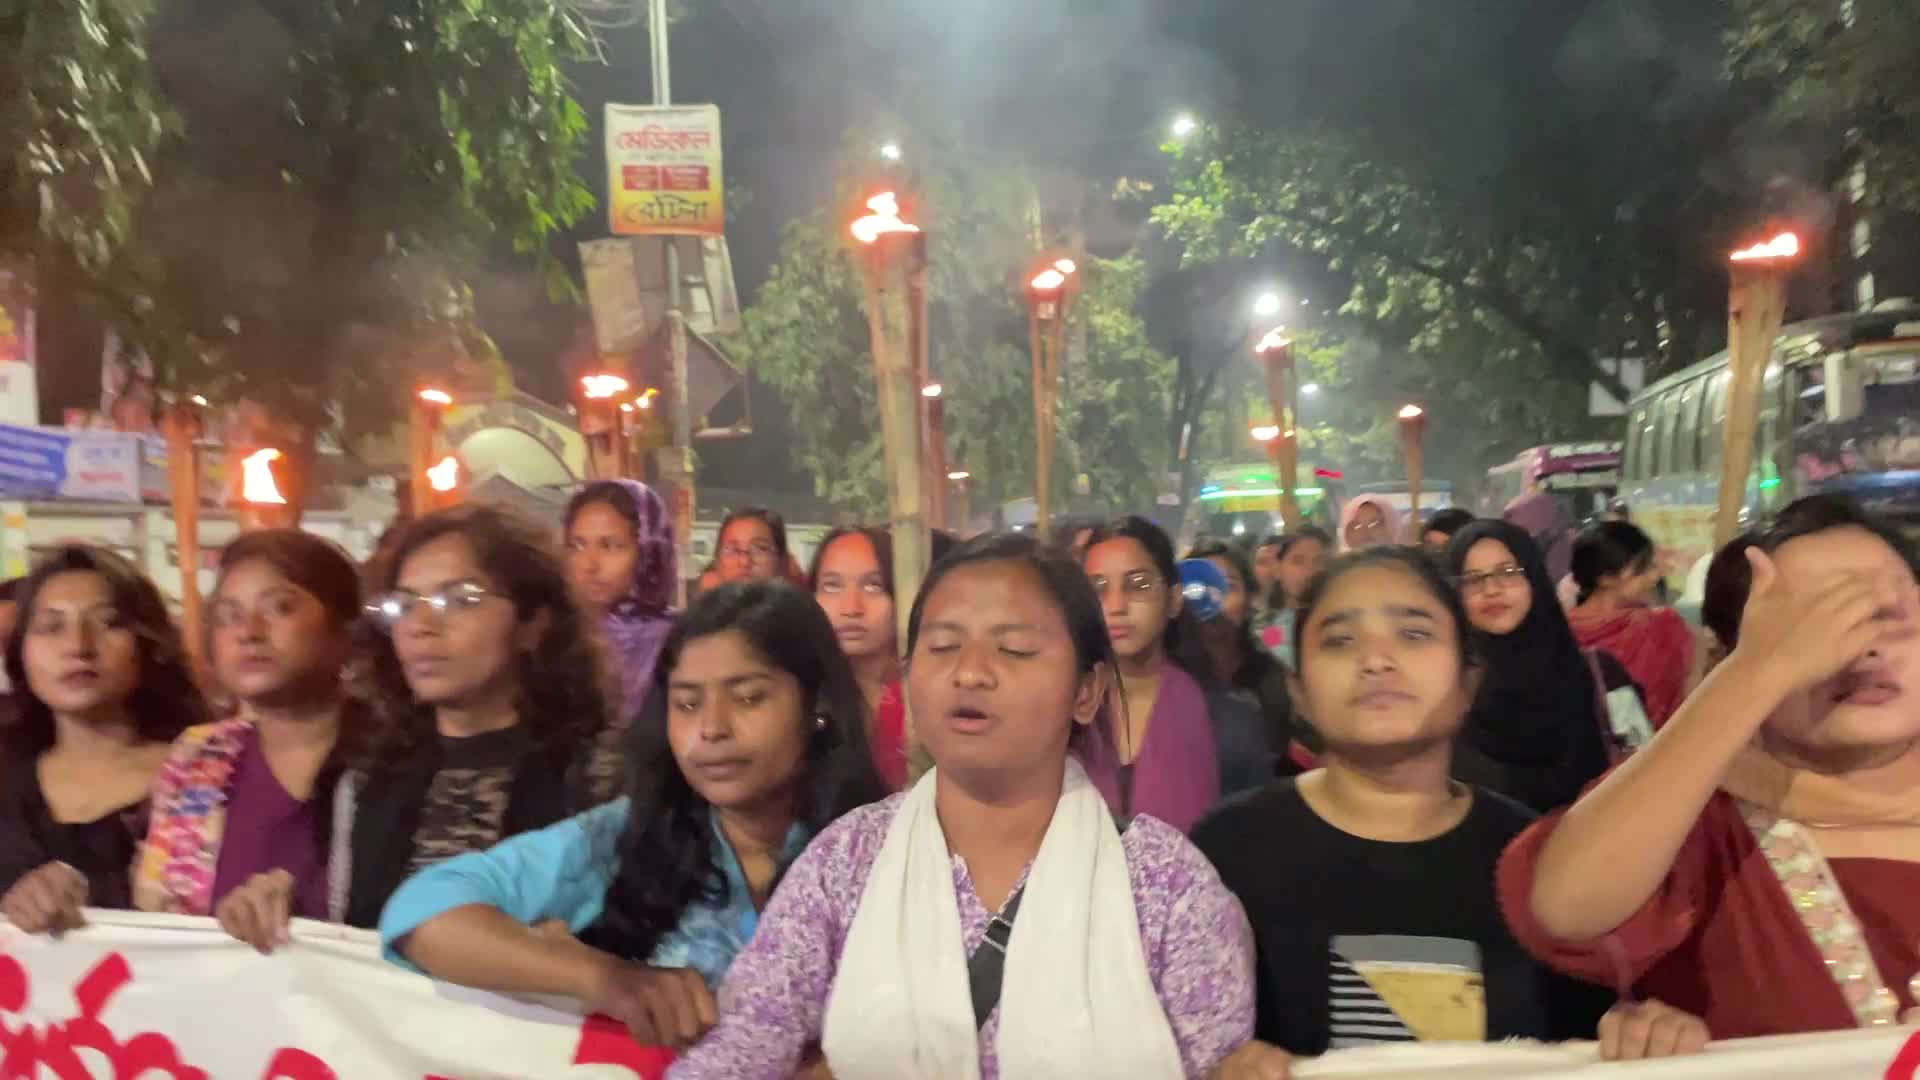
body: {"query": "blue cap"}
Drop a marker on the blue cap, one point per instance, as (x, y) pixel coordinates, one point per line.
(1203, 587)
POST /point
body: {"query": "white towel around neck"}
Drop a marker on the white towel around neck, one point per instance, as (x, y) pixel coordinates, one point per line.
(1076, 999)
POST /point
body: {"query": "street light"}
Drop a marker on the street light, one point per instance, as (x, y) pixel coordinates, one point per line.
(1184, 125)
(1267, 305)
(1310, 389)
(890, 151)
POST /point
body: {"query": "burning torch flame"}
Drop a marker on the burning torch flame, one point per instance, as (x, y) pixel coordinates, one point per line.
(603, 386)
(645, 400)
(1066, 266)
(1049, 280)
(1275, 339)
(445, 476)
(884, 219)
(1784, 246)
(1266, 432)
(256, 478)
(436, 397)
(958, 475)
(1412, 412)
(932, 390)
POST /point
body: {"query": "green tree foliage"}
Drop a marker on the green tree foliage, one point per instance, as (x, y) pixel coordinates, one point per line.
(79, 120)
(345, 170)
(806, 338)
(1847, 70)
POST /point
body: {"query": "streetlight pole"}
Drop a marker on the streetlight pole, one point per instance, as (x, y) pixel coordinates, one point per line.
(676, 461)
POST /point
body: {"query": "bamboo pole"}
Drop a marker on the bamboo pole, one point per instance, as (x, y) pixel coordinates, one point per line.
(183, 425)
(1756, 306)
(1413, 431)
(1277, 352)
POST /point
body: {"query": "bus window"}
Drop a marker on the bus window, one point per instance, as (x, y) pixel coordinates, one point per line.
(1663, 425)
(1766, 462)
(1713, 422)
(1630, 458)
(1686, 428)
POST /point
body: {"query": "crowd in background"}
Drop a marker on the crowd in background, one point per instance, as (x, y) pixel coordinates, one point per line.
(1103, 811)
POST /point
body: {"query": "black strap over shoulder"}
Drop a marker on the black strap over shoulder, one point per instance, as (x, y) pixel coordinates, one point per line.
(987, 967)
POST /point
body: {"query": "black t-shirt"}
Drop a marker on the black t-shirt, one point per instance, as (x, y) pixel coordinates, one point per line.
(102, 850)
(1362, 941)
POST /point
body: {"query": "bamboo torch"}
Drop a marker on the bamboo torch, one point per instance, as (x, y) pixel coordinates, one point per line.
(183, 425)
(1756, 306)
(1047, 294)
(893, 260)
(1413, 437)
(1276, 351)
(425, 417)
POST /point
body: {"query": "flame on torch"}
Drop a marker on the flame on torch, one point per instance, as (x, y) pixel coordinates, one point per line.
(445, 476)
(1049, 280)
(436, 397)
(1784, 246)
(257, 485)
(932, 390)
(1275, 339)
(1265, 432)
(599, 387)
(884, 219)
(1066, 266)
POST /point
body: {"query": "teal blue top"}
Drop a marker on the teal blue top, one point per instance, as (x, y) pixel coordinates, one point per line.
(562, 872)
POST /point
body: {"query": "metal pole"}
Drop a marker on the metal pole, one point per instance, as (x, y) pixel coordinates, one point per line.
(677, 472)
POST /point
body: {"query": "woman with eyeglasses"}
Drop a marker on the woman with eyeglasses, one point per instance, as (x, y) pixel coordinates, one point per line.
(242, 809)
(1549, 717)
(750, 742)
(101, 689)
(490, 697)
(1368, 521)
(752, 546)
(1182, 739)
(852, 581)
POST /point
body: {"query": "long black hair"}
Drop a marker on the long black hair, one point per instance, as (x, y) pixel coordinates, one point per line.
(1182, 642)
(665, 847)
(165, 700)
(1066, 585)
(565, 698)
(1605, 548)
(1282, 544)
(881, 540)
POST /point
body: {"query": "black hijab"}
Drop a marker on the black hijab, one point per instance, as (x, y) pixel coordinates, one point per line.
(1534, 721)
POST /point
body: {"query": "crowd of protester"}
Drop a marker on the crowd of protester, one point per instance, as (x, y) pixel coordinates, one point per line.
(1100, 811)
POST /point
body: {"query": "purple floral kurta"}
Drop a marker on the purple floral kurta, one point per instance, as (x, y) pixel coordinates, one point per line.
(1199, 952)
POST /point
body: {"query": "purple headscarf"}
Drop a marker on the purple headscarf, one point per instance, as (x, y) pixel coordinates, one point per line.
(638, 622)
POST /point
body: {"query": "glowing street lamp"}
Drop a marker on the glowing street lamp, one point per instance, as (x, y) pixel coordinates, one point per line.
(891, 151)
(1756, 306)
(1267, 305)
(1184, 125)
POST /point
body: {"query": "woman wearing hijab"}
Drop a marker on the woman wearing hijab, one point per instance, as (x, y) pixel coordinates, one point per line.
(621, 562)
(1539, 730)
(1546, 522)
(1368, 521)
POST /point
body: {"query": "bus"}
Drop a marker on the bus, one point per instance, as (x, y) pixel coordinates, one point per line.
(1581, 476)
(1241, 503)
(1838, 410)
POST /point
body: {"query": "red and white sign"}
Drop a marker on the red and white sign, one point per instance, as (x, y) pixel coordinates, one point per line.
(165, 997)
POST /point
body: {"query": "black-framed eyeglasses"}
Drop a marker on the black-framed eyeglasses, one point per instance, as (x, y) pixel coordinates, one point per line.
(390, 608)
(1499, 577)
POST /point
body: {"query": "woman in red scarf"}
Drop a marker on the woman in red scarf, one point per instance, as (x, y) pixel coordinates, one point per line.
(1613, 564)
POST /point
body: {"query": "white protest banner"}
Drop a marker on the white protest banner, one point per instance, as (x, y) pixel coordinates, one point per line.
(164, 997)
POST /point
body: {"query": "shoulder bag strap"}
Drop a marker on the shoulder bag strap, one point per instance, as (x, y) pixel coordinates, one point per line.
(987, 967)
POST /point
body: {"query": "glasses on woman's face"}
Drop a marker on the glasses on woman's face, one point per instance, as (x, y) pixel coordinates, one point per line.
(757, 552)
(1136, 586)
(391, 608)
(1498, 578)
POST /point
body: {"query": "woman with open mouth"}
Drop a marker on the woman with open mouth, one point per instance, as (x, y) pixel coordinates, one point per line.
(994, 919)
(750, 741)
(102, 687)
(1757, 862)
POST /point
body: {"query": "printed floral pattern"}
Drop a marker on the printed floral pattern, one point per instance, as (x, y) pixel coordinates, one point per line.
(175, 872)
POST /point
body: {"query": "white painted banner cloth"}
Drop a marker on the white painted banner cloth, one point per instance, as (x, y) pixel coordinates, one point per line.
(165, 997)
